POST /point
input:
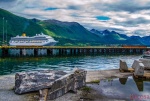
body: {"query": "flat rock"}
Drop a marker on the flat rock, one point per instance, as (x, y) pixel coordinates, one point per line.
(35, 80)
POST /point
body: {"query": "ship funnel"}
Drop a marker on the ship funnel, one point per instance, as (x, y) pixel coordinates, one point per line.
(23, 34)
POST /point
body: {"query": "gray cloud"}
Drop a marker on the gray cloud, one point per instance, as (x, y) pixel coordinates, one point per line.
(127, 16)
(134, 22)
(124, 5)
(8, 4)
(7, 0)
(74, 7)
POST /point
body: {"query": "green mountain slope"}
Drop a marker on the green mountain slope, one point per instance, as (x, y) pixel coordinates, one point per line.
(17, 25)
(69, 32)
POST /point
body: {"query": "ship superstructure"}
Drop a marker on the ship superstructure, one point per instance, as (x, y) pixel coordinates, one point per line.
(38, 40)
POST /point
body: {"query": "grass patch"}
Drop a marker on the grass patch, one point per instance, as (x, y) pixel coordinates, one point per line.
(86, 89)
(95, 81)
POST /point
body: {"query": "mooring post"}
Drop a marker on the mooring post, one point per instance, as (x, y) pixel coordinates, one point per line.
(106, 50)
(87, 51)
(62, 51)
(124, 51)
(35, 52)
(127, 51)
(74, 52)
(59, 51)
(20, 52)
(97, 51)
(102, 51)
(49, 51)
(93, 50)
(78, 51)
(70, 51)
(134, 51)
(113, 50)
(141, 50)
(65, 51)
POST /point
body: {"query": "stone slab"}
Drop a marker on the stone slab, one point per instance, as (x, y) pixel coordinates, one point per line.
(35, 80)
(68, 82)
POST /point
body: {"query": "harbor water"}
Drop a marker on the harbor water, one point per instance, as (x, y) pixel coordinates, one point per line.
(11, 65)
(119, 88)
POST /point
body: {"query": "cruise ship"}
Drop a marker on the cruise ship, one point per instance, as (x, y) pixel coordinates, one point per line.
(38, 40)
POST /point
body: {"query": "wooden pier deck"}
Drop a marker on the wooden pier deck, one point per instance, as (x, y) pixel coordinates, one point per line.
(89, 47)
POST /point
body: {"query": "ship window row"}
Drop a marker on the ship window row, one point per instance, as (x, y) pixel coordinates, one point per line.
(30, 41)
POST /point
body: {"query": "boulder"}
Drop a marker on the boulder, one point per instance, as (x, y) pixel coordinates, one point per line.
(35, 80)
(50, 84)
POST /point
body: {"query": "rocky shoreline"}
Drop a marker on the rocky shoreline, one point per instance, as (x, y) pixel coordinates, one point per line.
(8, 82)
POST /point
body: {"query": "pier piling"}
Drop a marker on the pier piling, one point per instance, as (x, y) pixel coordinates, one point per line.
(60, 50)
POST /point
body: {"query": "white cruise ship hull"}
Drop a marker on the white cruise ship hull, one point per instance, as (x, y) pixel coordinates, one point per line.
(33, 44)
(38, 40)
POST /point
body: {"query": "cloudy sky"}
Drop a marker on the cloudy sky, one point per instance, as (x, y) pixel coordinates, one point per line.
(131, 17)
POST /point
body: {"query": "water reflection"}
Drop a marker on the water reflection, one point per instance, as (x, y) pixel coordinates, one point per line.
(123, 80)
(139, 82)
(123, 88)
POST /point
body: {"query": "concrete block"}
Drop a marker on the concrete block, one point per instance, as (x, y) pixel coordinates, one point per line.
(123, 65)
(146, 63)
(135, 63)
(69, 82)
(139, 70)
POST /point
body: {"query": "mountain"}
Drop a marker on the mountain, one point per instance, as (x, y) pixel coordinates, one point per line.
(110, 34)
(96, 32)
(17, 25)
(117, 38)
(145, 40)
(67, 33)
(134, 40)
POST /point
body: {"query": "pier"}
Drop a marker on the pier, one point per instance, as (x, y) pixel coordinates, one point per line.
(69, 50)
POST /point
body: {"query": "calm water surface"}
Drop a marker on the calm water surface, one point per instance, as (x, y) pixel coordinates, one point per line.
(130, 89)
(16, 64)
(113, 88)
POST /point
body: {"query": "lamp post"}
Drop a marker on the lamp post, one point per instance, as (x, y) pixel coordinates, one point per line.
(6, 31)
(3, 30)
